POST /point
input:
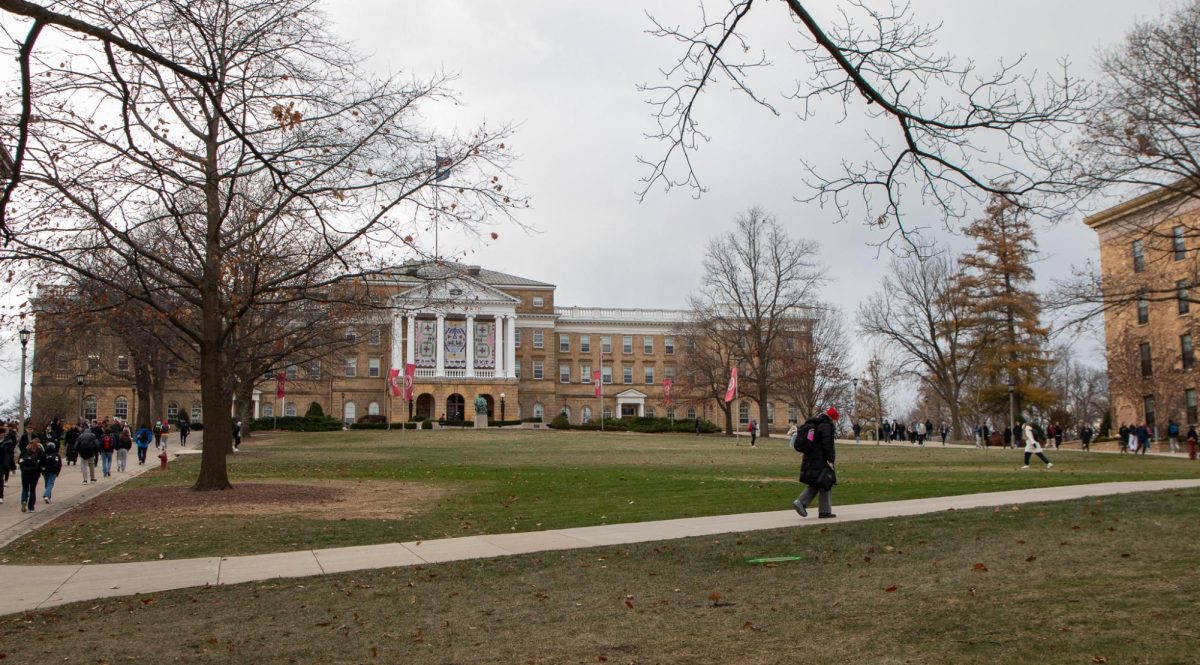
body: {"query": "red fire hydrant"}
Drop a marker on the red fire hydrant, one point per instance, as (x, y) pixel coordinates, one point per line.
(162, 461)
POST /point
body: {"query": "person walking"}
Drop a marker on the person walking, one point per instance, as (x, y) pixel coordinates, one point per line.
(108, 446)
(89, 449)
(71, 437)
(753, 429)
(1192, 441)
(158, 430)
(51, 467)
(819, 455)
(857, 430)
(30, 463)
(185, 428)
(124, 444)
(1085, 438)
(944, 431)
(1173, 435)
(1123, 438)
(1033, 446)
(1143, 438)
(237, 435)
(142, 438)
(8, 449)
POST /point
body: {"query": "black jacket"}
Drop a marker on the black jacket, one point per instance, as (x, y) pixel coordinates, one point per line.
(30, 461)
(821, 450)
(51, 464)
(86, 445)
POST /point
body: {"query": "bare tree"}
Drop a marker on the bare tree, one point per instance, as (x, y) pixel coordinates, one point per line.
(1082, 390)
(216, 123)
(758, 284)
(958, 134)
(879, 378)
(920, 312)
(704, 367)
(814, 372)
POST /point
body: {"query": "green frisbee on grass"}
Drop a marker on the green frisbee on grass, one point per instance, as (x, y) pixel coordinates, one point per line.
(775, 559)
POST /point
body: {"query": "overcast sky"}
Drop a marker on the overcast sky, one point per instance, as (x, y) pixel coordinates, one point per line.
(566, 73)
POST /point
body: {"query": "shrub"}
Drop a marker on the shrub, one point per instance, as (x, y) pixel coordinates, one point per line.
(373, 420)
(535, 419)
(560, 422)
(458, 423)
(297, 424)
(314, 411)
(417, 419)
(197, 426)
(426, 424)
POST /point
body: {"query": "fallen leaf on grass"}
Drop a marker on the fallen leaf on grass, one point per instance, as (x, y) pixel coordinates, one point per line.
(751, 626)
(1031, 558)
(979, 567)
(1099, 659)
(891, 589)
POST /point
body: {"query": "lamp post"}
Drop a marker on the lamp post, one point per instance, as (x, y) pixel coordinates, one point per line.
(79, 382)
(24, 336)
(502, 409)
(1012, 414)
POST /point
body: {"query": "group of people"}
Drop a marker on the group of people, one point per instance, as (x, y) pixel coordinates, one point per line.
(915, 432)
(38, 452)
(1138, 438)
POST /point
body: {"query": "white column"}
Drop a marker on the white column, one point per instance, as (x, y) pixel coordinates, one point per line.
(470, 345)
(439, 348)
(397, 361)
(511, 341)
(501, 350)
(410, 350)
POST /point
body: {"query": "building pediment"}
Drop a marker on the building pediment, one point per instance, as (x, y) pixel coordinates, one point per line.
(632, 393)
(453, 293)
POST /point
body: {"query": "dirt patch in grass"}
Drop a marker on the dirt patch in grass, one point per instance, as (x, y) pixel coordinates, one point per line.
(333, 500)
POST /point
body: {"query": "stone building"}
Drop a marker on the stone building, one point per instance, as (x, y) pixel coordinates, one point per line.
(501, 337)
(1148, 265)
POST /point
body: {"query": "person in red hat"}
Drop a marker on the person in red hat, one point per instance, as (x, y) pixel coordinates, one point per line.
(816, 471)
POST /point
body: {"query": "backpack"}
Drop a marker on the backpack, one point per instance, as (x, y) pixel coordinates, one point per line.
(106, 444)
(802, 440)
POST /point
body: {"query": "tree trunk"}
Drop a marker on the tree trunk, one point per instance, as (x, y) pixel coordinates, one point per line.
(764, 428)
(728, 420)
(245, 407)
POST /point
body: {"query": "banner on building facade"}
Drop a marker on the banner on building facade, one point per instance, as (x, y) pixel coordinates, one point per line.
(455, 345)
(410, 375)
(425, 344)
(596, 380)
(485, 345)
(667, 392)
(280, 381)
(394, 381)
(731, 390)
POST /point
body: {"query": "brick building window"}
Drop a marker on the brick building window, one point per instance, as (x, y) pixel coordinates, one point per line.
(292, 372)
(1148, 408)
(122, 364)
(373, 367)
(743, 413)
(351, 367)
(314, 370)
(606, 374)
(1189, 396)
(516, 338)
(538, 372)
(669, 345)
(289, 409)
(1177, 245)
(605, 344)
(1185, 348)
(585, 343)
(539, 302)
(89, 407)
(1139, 256)
(627, 344)
(627, 374)
(351, 335)
(648, 345)
(585, 373)
(564, 373)
(1183, 294)
(376, 337)
(649, 371)
(1143, 310)
(1144, 353)
(539, 339)
(564, 343)
(121, 407)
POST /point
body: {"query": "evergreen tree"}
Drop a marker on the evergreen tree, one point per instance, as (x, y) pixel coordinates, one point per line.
(1005, 311)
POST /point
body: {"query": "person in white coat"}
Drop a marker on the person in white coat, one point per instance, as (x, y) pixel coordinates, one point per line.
(1032, 446)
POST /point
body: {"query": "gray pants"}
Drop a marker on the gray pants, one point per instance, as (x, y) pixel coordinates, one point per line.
(823, 502)
(88, 467)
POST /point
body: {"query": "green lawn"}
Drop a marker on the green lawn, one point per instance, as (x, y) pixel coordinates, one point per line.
(468, 482)
(1081, 582)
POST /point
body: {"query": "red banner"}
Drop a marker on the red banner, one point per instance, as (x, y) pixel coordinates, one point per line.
(394, 381)
(731, 390)
(410, 375)
(280, 382)
(596, 380)
(667, 392)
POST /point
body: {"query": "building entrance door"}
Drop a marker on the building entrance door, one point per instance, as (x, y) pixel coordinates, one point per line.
(629, 410)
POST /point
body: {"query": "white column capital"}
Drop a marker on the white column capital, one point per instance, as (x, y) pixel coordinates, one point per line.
(439, 345)
(471, 345)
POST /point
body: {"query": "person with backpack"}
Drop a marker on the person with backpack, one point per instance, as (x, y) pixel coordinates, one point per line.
(108, 445)
(1173, 434)
(815, 440)
(30, 463)
(88, 449)
(158, 430)
(143, 443)
(124, 445)
(185, 428)
(51, 467)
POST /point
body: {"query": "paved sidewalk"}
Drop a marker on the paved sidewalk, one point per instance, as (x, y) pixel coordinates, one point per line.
(36, 587)
(69, 490)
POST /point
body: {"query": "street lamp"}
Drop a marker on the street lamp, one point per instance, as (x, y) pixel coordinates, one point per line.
(1012, 413)
(79, 382)
(854, 406)
(502, 409)
(24, 336)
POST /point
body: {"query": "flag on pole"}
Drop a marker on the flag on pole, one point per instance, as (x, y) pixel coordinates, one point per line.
(442, 172)
(410, 374)
(280, 381)
(731, 391)
(667, 392)
(596, 380)
(394, 381)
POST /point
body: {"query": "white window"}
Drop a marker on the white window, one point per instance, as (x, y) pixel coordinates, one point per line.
(122, 364)
(539, 301)
(770, 413)
(121, 407)
(585, 343)
(649, 412)
(268, 410)
(608, 413)
(564, 343)
(627, 374)
(289, 409)
(626, 343)
(605, 344)
(647, 345)
(649, 375)
(373, 409)
(539, 411)
(349, 412)
(606, 374)
(537, 369)
(172, 412)
(743, 413)
(292, 372)
(314, 370)
(671, 412)
(93, 363)
(669, 373)
(669, 346)
(564, 373)
(538, 339)
(585, 415)
(373, 367)
(351, 334)
(376, 337)
(691, 413)
(89, 407)
(351, 367)
(585, 373)
(516, 338)
(197, 412)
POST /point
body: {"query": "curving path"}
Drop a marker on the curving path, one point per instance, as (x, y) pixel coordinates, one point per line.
(35, 587)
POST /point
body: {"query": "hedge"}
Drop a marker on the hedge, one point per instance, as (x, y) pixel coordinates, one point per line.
(643, 425)
(375, 425)
(297, 424)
